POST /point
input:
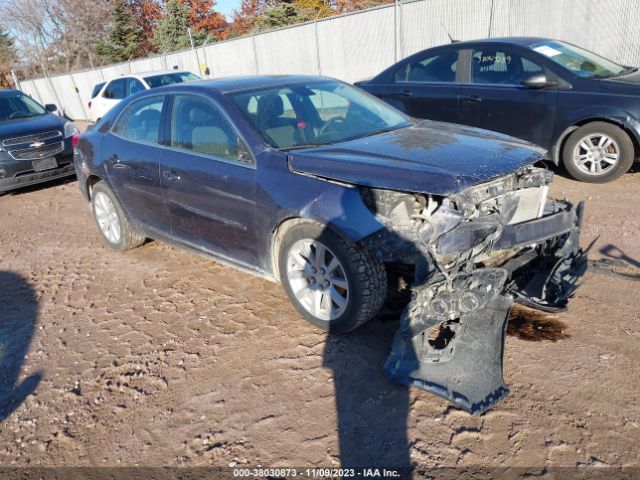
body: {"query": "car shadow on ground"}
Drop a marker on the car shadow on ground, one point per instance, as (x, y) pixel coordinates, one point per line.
(18, 318)
(372, 410)
(41, 186)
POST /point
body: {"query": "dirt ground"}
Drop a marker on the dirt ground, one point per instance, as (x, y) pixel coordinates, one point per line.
(160, 357)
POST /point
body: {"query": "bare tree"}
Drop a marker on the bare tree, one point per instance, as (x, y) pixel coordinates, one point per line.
(57, 35)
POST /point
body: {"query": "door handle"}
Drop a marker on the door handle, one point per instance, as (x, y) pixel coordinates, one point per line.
(474, 99)
(171, 176)
(406, 94)
(115, 161)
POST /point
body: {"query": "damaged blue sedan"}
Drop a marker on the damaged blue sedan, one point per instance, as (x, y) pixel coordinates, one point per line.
(318, 185)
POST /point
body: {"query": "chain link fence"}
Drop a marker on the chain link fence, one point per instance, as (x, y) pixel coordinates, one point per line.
(357, 46)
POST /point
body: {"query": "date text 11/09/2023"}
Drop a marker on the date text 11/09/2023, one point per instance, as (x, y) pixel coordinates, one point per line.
(316, 472)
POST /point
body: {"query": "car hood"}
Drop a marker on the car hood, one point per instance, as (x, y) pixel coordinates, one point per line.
(625, 84)
(26, 126)
(429, 157)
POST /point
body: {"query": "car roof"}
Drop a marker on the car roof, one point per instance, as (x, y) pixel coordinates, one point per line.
(521, 41)
(8, 92)
(248, 82)
(154, 72)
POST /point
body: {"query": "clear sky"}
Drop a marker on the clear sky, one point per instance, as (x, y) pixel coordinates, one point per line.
(226, 7)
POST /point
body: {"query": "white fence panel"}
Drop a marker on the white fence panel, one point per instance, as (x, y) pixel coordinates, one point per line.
(292, 50)
(357, 46)
(425, 24)
(233, 57)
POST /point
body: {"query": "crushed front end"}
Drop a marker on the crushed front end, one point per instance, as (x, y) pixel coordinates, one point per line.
(472, 255)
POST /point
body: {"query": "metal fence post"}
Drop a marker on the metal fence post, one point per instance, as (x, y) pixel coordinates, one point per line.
(315, 31)
(255, 53)
(395, 31)
(75, 87)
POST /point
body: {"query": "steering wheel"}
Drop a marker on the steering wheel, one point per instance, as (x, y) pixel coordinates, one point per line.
(332, 122)
(16, 114)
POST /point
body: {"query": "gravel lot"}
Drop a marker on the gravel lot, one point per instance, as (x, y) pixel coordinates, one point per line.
(160, 357)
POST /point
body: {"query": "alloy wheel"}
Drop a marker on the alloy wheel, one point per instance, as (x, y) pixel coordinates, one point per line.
(107, 217)
(596, 154)
(317, 279)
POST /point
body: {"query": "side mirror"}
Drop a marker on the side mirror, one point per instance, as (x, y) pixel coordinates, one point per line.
(50, 107)
(538, 80)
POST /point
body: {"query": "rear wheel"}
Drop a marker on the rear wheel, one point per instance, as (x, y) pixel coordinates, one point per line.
(335, 285)
(598, 152)
(112, 222)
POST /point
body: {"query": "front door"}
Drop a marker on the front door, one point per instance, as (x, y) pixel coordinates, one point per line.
(209, 182)
(495, 98)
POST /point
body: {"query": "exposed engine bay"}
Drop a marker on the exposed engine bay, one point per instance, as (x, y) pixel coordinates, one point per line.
(474, 254)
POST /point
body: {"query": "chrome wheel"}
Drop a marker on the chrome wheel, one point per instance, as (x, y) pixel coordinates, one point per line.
(596, 154)
(107, 217)
(317, 279)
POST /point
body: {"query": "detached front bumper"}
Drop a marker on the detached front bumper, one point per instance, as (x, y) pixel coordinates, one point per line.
(452, 333)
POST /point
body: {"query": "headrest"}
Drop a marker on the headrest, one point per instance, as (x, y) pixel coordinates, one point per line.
(270, 105)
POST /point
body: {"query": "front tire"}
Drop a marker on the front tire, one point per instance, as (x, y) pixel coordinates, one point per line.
(598, 152)
(112, 222)
(335, 285)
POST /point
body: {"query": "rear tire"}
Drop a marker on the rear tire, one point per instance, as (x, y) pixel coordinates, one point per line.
(335, 285)
(598, 152)
(112, 221)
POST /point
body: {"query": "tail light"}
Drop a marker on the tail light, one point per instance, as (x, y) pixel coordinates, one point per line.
(74, 140)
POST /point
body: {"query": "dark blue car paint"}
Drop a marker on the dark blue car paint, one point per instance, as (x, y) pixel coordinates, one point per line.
(231, 210)
(429, 157)
(542, 116)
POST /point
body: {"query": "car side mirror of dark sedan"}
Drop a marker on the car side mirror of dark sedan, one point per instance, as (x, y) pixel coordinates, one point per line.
(538, 80)
(50, 107)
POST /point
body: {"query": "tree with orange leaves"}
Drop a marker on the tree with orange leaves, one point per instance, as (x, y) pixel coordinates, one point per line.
(203, 17)
(146, 14)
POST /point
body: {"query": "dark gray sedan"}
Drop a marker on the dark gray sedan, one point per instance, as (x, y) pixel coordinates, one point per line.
(581, 107)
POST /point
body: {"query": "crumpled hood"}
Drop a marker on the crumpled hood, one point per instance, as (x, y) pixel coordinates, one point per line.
(429, 157)
(27, 126)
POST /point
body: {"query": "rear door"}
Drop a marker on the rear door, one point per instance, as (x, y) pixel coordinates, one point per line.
(132, 149)
(209, 181)
(424, 86)
(493, 96)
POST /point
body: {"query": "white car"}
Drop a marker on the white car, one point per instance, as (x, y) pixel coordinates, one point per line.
(105, 95)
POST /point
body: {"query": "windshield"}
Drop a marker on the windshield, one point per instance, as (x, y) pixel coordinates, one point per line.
(317, 113)
(578, 61)
(19, 106)
(156, 81)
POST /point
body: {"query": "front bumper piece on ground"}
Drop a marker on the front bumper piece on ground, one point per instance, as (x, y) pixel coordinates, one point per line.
(452, 333)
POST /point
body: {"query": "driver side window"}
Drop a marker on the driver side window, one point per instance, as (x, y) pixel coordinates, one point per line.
(501, 67)
(198, 126)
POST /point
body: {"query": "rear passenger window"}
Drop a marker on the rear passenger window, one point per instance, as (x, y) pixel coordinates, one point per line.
(141, 120)
(436, 68)
(117, 89)
(198, 126)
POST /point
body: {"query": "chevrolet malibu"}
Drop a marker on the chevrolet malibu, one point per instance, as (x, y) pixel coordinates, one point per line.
(318, 185)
